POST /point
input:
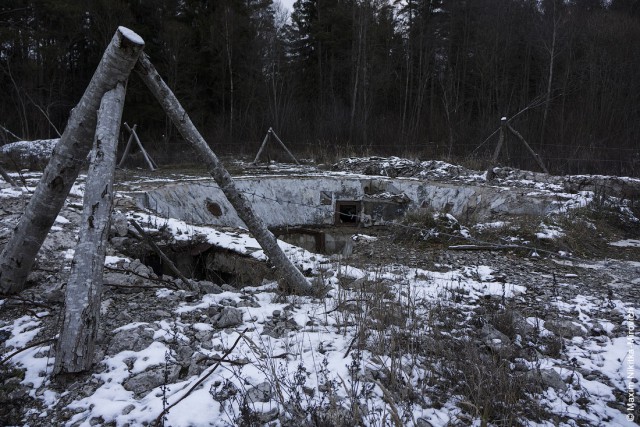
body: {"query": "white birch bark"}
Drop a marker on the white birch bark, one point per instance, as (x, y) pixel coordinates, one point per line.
(288, 272)
(75, 346)
(70, 153)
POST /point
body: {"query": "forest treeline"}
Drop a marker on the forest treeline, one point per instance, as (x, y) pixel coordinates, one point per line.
(420, 78)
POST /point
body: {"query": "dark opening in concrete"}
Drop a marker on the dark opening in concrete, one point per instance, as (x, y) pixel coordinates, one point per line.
(347, 212)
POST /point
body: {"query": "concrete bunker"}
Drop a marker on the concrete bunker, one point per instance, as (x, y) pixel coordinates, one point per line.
(322, 212)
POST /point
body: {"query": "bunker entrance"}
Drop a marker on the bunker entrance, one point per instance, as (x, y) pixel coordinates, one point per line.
(323, 240)
(347, 213)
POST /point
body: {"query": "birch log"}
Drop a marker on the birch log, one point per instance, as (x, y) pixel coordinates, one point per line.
(7, 178)
(71, 151)
(288, 272)
(75, 347)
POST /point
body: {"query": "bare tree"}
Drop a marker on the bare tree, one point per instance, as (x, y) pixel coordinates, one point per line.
(552, 50)
(70, 153)
(75, 347)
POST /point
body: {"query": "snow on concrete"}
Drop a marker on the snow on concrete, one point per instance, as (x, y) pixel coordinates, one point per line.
(309, 199)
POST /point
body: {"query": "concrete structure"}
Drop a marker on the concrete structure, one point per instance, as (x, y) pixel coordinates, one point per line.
(341, 199)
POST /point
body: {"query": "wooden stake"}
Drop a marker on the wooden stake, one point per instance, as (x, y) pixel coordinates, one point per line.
(289, 273)
(496, 153)
(264, 144)
(75, 347)
(284, 146)
(127, 148)
(147, 157)
(533, 153)
(68, 157)
(7, 178)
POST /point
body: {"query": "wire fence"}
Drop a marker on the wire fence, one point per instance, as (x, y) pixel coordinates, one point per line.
(560, 159)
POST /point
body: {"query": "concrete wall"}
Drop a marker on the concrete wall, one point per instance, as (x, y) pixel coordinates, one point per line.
(310, 200)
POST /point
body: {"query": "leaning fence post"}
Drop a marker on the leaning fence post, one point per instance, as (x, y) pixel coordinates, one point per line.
(289, 273)
(68, 157)
(127, 148)
(7, 177)
(535, 155)
(75, 347)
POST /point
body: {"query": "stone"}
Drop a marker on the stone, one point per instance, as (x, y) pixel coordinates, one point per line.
(268, 416)
(184, 354)
(545, 378)
(127, 409)
(260, 393)
(246, 303)
(222, 392)
(144, 382)
(565, 328)
(119, 224)
(206, 287)
(229, 316)
(497, 341)
(135, 339)
(139, 268)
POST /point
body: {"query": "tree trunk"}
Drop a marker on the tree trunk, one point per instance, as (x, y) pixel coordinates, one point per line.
(552, 57)
(63, 168)
(75, 347)
(291, 275)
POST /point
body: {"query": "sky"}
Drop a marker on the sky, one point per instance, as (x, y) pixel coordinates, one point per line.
(288, 4)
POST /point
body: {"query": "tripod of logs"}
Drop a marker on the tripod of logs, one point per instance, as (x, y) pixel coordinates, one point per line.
(94, 126)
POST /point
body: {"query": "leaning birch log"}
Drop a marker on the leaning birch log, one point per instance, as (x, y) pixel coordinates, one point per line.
(288, 272)
(284, 146)
(75, 346)
(535, 155)
(7, 177)
(62, 170)
(127, 148)
(152, 165)
(264, 144)
(494, 160)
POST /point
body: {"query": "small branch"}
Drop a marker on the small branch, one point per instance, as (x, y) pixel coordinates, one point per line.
(484, 247)
(30, 302)
(200, 381)
(11, 133)
(118, 285)
(122, 270)
(388, 397)
(341, 305)
(35, 344)
(45, 114)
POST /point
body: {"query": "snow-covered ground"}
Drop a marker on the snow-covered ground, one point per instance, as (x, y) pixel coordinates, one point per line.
(405, 333)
